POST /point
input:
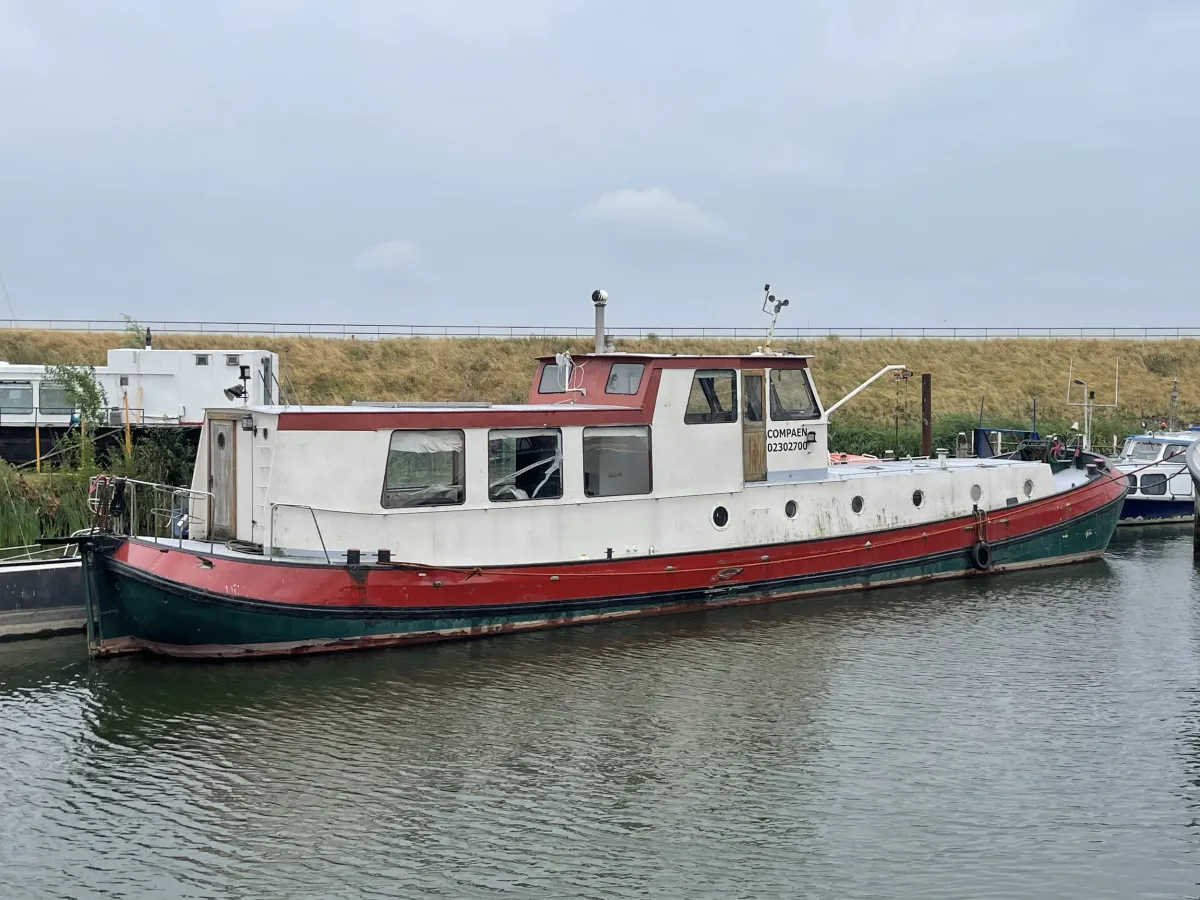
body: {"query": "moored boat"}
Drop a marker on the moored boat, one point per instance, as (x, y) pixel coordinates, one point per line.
(41, 591)
(627, 485)
(1160, 488)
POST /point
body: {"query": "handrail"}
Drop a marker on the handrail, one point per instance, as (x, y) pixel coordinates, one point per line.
(312, 512)
(101, 507)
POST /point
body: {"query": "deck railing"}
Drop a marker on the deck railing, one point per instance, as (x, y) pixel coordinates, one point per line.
(147, 509)
(367, 331)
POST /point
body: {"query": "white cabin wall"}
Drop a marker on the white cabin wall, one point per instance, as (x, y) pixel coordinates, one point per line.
(550, 531)
(172, 386)
(690, 459)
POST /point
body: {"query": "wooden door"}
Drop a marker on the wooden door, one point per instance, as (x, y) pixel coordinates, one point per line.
(222, 483)
(754, 427)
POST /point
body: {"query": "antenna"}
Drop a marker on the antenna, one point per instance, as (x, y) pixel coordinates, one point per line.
(773, 312)
(1089, 400)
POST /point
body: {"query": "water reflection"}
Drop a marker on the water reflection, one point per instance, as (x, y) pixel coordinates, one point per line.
(1034, 735)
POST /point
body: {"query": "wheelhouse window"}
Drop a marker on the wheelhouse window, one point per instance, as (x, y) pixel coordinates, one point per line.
(624, 378)
(713, 397)
(424, 468)
(1174, 452)
(791, 396)
(55, 399)
(1140, 451)
(1154, 484)
(524, 464)
(554, 380)
(16, 398)
(616, 461)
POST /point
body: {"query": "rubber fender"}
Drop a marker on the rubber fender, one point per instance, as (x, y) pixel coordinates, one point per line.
(981, 556)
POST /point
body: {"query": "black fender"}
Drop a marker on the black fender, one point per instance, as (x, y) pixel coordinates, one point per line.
(981, 556)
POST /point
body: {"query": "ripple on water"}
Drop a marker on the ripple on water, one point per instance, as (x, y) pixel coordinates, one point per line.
(1036, 735)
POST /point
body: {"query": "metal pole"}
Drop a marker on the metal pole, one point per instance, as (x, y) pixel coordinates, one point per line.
(128, 442)
(927, 415)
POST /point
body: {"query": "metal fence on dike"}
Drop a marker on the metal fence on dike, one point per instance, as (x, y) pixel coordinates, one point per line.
(361, 331)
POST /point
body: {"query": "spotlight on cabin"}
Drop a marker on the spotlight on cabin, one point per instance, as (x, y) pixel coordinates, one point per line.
(237, 392)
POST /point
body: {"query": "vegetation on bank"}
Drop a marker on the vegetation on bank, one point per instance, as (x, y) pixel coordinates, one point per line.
(1006, 375)
(53, 502)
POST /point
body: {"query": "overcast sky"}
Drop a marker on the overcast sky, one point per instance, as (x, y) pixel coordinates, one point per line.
(882, 163)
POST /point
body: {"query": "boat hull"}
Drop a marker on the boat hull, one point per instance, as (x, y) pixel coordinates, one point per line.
(1139, 511)
(187, 603)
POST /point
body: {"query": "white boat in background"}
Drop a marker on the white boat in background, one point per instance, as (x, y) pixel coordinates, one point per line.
(144, 388)
(1160, 489)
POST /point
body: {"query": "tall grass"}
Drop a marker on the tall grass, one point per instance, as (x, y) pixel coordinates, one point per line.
(40, 505)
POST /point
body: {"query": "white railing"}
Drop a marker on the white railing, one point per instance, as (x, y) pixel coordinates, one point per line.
(113, 501)
(363, 331)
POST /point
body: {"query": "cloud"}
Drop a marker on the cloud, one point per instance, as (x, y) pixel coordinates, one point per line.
(390, 257)
(654, 211)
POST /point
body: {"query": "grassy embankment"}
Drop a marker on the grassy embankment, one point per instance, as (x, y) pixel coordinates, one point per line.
(1008, 374)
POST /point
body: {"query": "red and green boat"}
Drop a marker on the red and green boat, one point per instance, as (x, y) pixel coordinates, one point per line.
(628, 485)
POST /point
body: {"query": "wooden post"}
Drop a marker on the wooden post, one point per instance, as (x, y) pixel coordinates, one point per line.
(926, 415)
(37, 445)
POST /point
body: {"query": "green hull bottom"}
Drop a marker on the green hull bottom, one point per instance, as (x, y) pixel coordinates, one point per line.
(130, 613)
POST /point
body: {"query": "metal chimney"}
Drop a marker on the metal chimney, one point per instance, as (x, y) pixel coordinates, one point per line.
(600, 300)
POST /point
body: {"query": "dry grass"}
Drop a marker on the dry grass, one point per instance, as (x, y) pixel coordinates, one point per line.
(1008, 373)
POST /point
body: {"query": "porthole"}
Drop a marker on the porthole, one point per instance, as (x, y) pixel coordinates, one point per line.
(1028, 487)
(976, 492)
(857, 504)
(220, 441)
(720, 517)
(918, 498)
(789, 510)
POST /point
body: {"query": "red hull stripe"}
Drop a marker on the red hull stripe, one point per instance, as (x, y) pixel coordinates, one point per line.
(409, 587)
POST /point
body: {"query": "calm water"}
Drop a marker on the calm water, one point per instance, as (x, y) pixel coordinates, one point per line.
(1031, 736)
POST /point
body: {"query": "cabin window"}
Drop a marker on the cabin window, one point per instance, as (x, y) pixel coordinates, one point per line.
(616, 461)
(1176, 451)
(713, 397)
(424, 468)
(792, 396)
(554, 380)
(1154, 484)
(55, 399)
(202, 359)
(16, 398)
(1181, 485)
(524, 464)
(1141, 451)
(624, 378)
